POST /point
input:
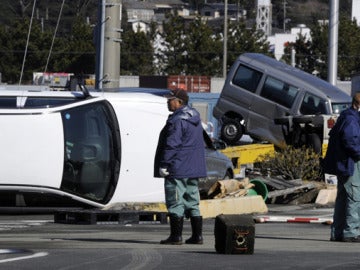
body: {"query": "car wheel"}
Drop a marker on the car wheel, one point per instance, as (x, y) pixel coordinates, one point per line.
(231, 131)
(313, 141)
(228, 175)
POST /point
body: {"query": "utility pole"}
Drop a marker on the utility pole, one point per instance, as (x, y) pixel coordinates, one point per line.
(333, 41)
(225, 39)
(108, 44)
(99, 37)
(238, 11)
(284, 22)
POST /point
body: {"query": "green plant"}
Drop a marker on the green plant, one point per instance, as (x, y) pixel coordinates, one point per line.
(291, 163)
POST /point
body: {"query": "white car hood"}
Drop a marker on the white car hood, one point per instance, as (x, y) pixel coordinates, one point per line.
(32, 149)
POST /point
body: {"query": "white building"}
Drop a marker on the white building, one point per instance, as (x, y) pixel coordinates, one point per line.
(355, 11)
(278, 41)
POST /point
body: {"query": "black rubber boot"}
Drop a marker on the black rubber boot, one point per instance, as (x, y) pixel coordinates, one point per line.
(196, 227)
(176, 227)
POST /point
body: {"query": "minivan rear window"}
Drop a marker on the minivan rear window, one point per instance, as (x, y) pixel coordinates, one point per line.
(312, 104)
(247, 78)
(339, 107)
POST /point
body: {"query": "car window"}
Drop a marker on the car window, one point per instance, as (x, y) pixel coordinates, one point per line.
(339, 107)
(247, 78)
(312, 105)
(279, 92)
(92, 151)
(8, 102)
(45, 102)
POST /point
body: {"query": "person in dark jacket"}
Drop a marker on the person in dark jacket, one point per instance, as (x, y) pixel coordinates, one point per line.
(180, 159)
(343, 159)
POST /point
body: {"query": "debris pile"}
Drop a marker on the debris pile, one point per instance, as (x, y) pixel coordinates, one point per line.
(294, 191)
(230, 188)
(272, 190)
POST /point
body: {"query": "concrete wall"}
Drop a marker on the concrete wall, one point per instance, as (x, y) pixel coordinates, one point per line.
(129, 81)
(217, 84)
(133, 81)
(345, 86)
(355, 12)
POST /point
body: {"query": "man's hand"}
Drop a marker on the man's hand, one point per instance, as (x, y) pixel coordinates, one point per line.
(163, 172)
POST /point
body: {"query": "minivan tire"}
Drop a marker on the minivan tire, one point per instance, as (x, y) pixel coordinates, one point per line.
(231, 131)
(314, 141)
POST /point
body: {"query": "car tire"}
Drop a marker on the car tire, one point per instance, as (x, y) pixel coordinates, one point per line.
(231, 131)
(228, 175)
(313, 141)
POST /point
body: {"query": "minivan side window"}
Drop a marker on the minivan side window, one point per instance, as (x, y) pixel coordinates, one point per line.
(247, 78)
(312, 105)
(279, 92)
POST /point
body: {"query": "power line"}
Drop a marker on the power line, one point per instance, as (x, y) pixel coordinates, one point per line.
(27, 43)
(52, 42)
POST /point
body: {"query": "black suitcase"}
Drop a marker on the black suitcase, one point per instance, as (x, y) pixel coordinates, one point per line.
(234, 234)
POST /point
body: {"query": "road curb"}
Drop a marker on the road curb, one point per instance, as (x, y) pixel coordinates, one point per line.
(208, 208)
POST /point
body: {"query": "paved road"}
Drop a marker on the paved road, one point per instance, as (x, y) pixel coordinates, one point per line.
(36, 242)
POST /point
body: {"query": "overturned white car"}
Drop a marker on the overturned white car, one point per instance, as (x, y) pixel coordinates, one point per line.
(96, 149)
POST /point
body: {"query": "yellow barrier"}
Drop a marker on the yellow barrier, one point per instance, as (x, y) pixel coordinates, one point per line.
(324, 149)
(246, 154)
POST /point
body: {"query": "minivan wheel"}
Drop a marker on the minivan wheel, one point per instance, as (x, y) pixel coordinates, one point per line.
(228, 175)
(231, 131)
(313, 141)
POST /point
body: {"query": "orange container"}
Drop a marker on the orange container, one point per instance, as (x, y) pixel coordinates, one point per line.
(196, 84)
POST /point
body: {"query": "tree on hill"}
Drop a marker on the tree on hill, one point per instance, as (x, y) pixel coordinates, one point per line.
(12, 49)
(192, 48)
(76, 52)
(73, 53)
(312, 55)
(172, 56)
(136, 54)
(349, 50)
(202, 49)
(305, 58)
(242, 39)
(195, 49)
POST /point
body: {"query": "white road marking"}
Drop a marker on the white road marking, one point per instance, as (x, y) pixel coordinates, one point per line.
(35, 255)
(8, 225)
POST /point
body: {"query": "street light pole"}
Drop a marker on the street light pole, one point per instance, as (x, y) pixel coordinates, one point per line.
(333, 41)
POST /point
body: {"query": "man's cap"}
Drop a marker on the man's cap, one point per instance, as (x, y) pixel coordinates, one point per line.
(356, 98)
(178, 93)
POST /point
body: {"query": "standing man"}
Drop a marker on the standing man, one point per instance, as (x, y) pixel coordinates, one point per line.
(343, 159)
(180, 159)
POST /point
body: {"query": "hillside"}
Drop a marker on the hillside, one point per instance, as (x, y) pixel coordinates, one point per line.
(297, 11)
(305, 12)
(48, 11)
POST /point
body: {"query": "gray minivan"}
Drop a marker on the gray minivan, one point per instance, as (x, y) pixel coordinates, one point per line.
(259, 89)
